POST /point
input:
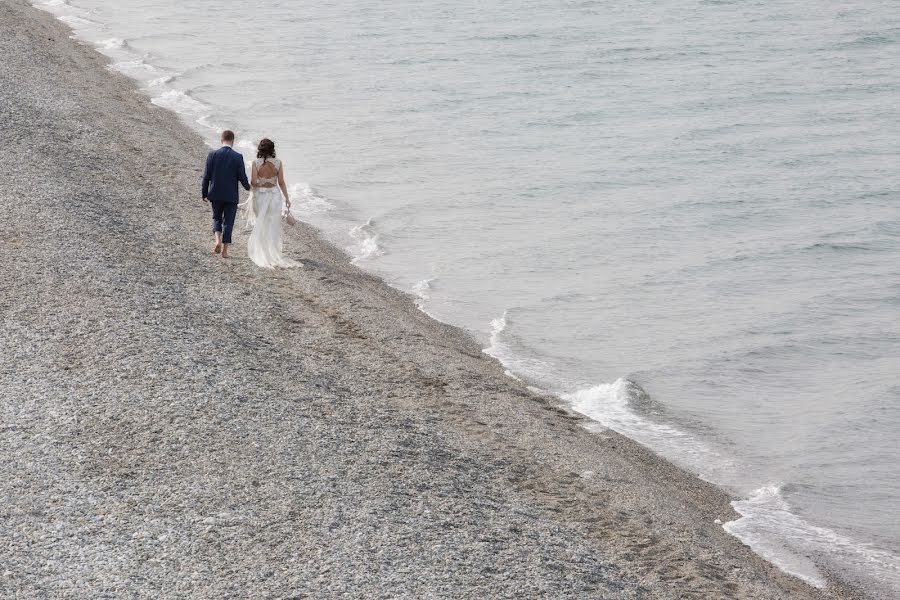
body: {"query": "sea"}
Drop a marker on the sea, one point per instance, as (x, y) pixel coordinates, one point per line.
(682, 217)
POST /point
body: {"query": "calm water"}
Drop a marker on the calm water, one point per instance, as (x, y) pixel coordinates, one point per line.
(681, 216)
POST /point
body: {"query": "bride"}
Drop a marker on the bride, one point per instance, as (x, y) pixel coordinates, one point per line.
(265, 208)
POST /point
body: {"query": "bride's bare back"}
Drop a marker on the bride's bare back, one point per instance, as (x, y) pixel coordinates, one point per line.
(267, 173)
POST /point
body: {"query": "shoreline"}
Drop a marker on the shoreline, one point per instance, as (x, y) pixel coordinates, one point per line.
(324, 371)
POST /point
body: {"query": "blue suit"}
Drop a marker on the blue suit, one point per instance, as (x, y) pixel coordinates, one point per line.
(224, 171)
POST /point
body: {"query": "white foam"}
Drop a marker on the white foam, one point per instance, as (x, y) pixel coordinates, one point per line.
(516, 365)
(136, 69)
(113, 44)
(181, 103)
(609, 405)
(76, 22)
(498, 326)
(767, 524)
(422, 291)
(161, 81)
(366, 246)
(497, 349)
(785, 539)
(207, 122)
(762, 527)
(306, 200)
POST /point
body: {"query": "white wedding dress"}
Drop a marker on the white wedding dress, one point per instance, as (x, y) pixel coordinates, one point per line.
(263, 214)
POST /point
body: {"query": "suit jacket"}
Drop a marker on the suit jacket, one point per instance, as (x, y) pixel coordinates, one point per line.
(224, 170)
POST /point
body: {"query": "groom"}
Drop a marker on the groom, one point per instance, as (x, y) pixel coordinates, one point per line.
(224, 170)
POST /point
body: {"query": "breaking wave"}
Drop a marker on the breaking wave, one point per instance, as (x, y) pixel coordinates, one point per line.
(366, 244)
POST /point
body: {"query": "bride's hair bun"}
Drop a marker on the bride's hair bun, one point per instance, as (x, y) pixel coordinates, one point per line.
(266, 149)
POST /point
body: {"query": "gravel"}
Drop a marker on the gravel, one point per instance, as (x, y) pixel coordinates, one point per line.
(174, 425)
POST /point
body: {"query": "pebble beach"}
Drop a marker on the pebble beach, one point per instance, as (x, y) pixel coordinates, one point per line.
(173, 425)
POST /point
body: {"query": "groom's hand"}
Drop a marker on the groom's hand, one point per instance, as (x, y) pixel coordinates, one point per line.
(206, 199)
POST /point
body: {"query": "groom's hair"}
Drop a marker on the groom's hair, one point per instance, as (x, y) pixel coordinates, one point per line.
(228, 135)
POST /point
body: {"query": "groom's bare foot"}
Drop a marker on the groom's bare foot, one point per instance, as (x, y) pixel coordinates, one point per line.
(225, 251)
(218, 247)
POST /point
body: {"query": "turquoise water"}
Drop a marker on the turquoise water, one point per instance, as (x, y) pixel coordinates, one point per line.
(681, 217)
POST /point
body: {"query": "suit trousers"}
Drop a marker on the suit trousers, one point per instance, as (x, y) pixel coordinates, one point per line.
(223, 214)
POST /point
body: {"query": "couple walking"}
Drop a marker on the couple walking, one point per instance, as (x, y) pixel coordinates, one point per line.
(263, 210)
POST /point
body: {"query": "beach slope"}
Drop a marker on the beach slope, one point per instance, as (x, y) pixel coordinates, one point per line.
(175, 425)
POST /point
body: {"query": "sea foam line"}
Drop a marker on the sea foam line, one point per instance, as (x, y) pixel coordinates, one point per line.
(307, 201)
(136, 68)
(367, 245)
(422, 292)
(182, 103)
(770, 527)
(610, 405)
(767, 523)
(74, 21)
(114, 44)
(515, 365)
(157, 82)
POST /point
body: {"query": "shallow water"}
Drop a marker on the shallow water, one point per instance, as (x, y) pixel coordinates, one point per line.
(680, 217)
